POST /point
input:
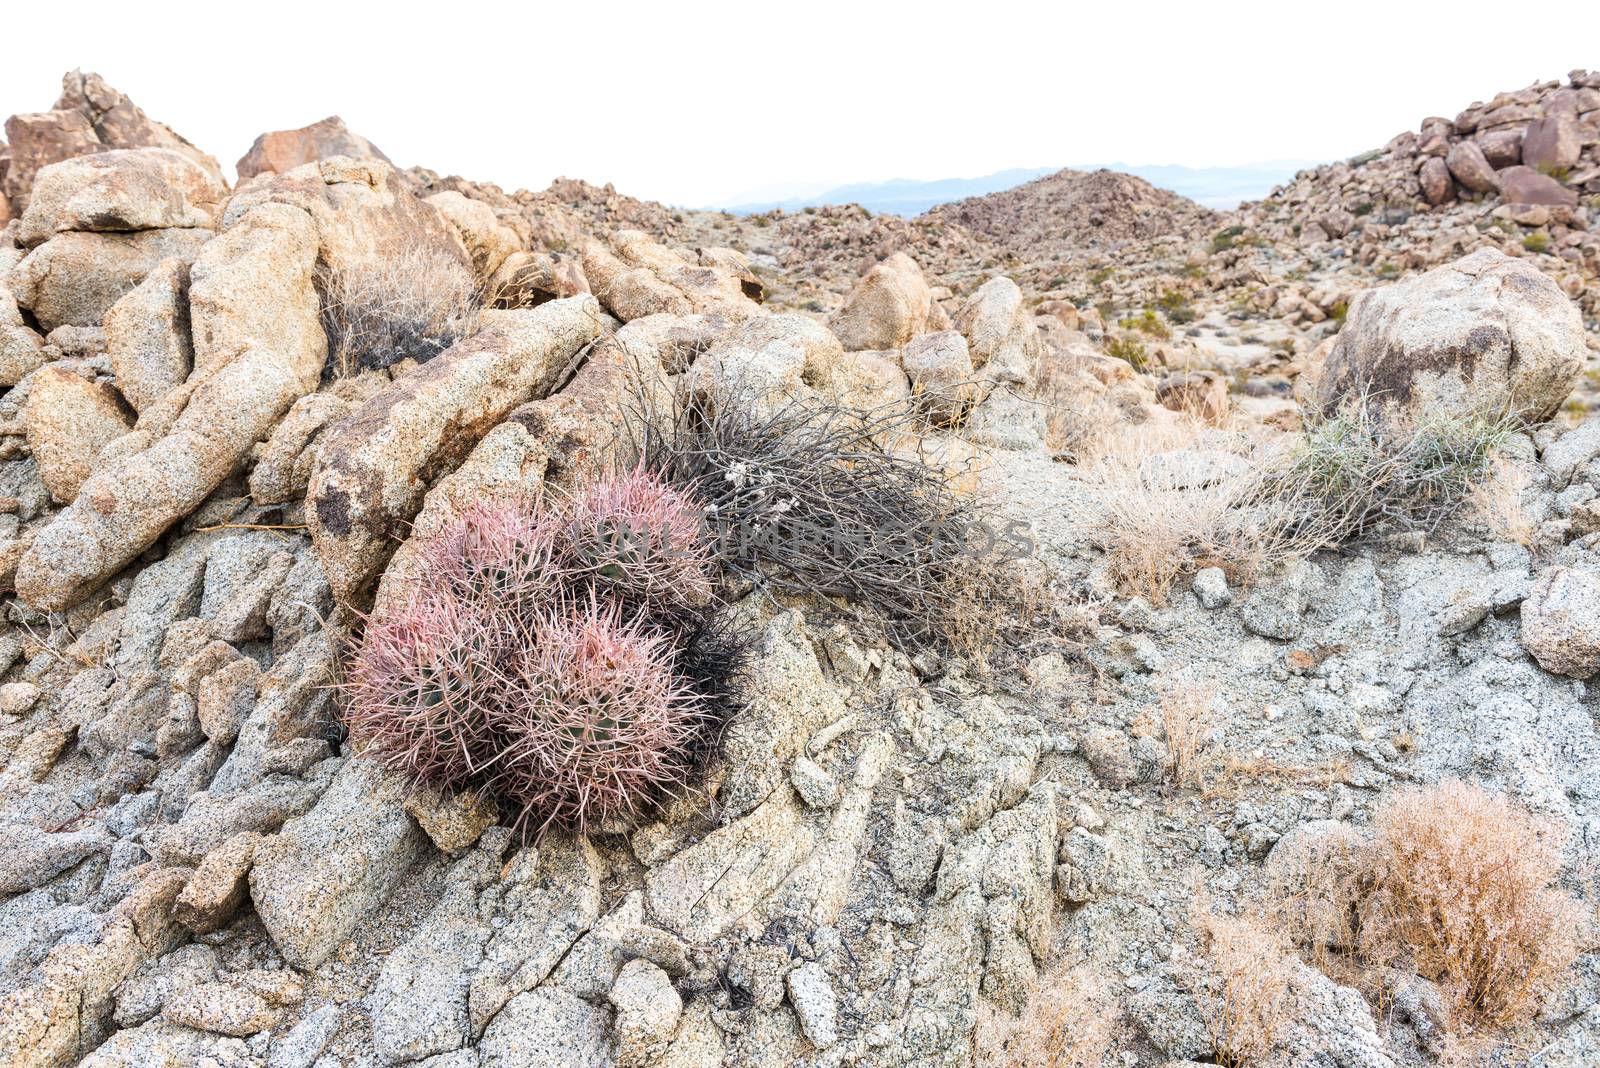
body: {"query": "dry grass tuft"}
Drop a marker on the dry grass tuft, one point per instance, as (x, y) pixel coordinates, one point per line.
(411, 305)
(1070, 1022)
(1461, 886)
(1188, 721)
(1242, 986)
(1176, 496)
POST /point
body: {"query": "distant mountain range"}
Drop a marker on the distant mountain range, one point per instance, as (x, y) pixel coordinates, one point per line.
(1214, 187)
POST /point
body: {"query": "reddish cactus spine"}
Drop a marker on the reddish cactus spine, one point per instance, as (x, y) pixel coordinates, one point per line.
(634, 537)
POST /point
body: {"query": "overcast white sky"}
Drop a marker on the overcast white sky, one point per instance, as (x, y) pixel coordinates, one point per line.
(694, 103)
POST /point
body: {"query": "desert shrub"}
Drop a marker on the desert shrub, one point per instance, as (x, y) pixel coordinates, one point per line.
(1461, 888)
(1537, 241)
(1129, 349)
(564, 655)
(807, 498)
(1176, 307)
(1166, 501)
(1356, 470)
(1224, 239)
(1454, 884)
(410, 305)
(1147, 322)
(1070, 1022)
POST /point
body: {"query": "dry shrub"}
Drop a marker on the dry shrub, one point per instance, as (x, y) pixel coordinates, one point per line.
(1070, 1022)
(1167, 504)
(1242, 986)
(410, 305)
(1173, 497)
(1461, 886)
(1188, 721)
(810, 498)
(1499, 501)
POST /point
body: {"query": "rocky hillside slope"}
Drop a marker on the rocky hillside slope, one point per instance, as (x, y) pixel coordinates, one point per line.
(1304, 503)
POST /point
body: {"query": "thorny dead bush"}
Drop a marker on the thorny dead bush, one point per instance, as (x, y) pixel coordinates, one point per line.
(410, 305)
(1070, 1022)
(809, 498)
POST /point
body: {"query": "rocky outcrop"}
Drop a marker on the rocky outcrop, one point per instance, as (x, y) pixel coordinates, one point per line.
(374, 469)
(1485, 333)
(1561, 621)
(69, 420)
(634, 276)
(330, 868)
(90, 116)
(281, 151)
(258, 346)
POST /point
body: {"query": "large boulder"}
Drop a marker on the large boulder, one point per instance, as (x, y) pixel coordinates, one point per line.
(74, 277)
(281, 151)
(258, 345)
(121, 190)
(1553, 143)
(1487, 332)
(1006, 352)
(1467, 163)
(1437, 185)
(939, 367)
(1524, 185)
(329, 869)
(374, 469)
(886, 309)
(147, 335)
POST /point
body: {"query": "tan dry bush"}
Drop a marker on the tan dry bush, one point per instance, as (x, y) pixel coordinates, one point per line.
(1243, 987)
(410, 305)
(1499, 501)
(1462, 889)
(1188, 721)
(1070, 1022)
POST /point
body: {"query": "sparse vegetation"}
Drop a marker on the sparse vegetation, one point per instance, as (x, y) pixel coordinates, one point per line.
(1070, 1022)
(1242, 986)
(409, 306)
(1498, 499)
(1457, 885)
(1536, 242)
(1149, 323)
(1224, 239)
(1131, 350)
(819, 500)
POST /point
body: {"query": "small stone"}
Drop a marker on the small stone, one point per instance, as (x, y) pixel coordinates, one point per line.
(648, 1009)
(1211, 587)
(17, 697)
(815, 786)
(815, 1004)
(454, 822)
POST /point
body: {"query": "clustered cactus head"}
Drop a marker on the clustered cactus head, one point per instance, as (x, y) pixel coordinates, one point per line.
(566, 656)
(636, 538)
(500, 553)
(420, 693)
(596, 721)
